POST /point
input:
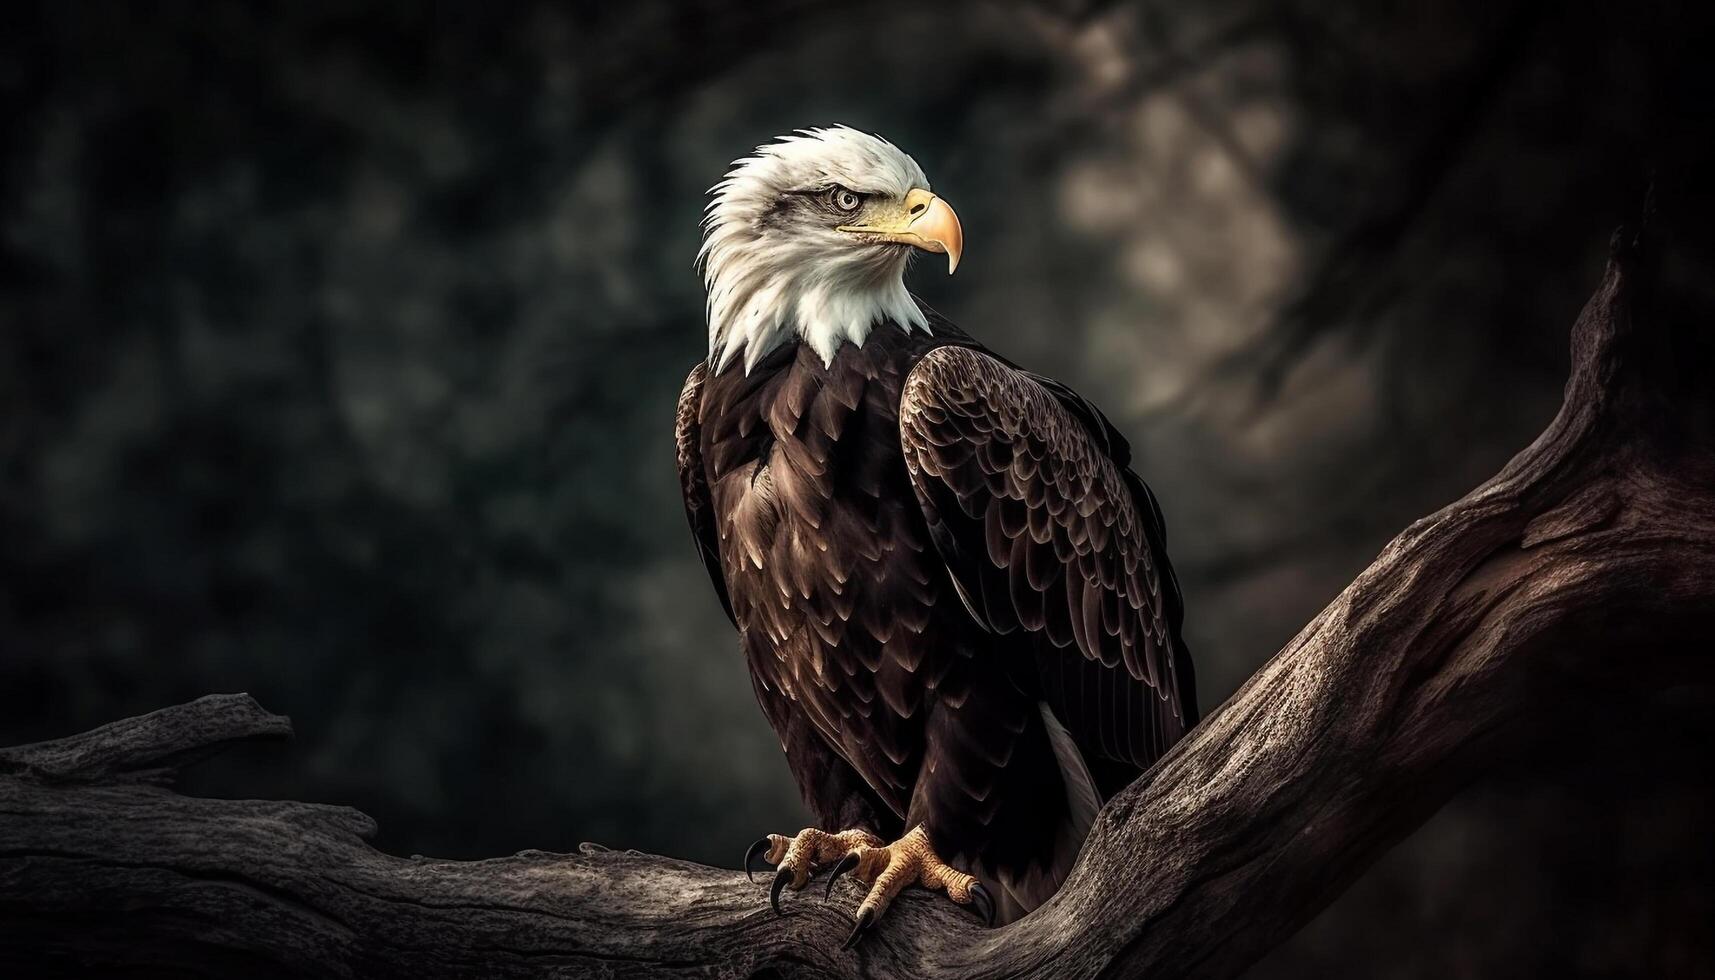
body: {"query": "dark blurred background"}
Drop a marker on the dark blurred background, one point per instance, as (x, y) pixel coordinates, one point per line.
(339, 344)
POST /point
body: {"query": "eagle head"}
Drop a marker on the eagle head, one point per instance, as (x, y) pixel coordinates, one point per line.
(809, 236)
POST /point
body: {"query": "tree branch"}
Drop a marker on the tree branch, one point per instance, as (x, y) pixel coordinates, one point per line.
(1587, 566)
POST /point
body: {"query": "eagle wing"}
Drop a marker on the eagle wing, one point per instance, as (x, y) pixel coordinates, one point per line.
(1049, 536)
(694, 482)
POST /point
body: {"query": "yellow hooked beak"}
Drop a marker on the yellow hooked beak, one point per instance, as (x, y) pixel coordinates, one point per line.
(925, 221)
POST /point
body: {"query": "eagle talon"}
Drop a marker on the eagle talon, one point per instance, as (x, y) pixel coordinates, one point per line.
(781, 877)
(984, 903)
(865, 921)
(751, 865)
(846, 864)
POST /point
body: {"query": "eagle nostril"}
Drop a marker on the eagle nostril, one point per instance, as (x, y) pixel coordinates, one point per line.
(919, 208)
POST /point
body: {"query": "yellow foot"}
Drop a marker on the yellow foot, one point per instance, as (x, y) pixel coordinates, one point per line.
(910, 860)
(799, 855)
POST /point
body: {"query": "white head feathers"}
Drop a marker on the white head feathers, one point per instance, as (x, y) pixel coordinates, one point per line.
(774, 265)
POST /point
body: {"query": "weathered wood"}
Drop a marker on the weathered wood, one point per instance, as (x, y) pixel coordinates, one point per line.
(1584, 571)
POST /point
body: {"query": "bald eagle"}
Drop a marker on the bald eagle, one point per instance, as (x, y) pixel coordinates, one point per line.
(950, 588)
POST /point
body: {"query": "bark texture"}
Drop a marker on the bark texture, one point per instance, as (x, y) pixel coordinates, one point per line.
(1581, 576)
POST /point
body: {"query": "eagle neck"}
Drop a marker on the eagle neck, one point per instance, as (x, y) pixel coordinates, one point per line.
(751, 316)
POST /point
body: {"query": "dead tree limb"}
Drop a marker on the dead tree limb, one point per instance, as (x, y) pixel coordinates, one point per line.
(1584, 570)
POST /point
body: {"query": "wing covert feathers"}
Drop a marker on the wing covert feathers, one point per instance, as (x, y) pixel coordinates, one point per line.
(1043, 533)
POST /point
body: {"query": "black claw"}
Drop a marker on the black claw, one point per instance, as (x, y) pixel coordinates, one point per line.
(984, 902)
(781, 877)
(865, 919)
(847, 863)
(750, 865)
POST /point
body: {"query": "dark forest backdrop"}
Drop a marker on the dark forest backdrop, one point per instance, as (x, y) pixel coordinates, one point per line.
(339, 344)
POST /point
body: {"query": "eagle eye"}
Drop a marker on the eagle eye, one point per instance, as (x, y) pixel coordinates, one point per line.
(844, 200)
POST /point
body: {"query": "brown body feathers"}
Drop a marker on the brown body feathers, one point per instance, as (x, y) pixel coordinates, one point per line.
(951, 592)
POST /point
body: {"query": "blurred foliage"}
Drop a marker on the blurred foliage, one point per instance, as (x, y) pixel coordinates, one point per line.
(339, 342)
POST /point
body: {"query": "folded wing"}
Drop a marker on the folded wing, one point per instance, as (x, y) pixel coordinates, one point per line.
(1051, 539)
